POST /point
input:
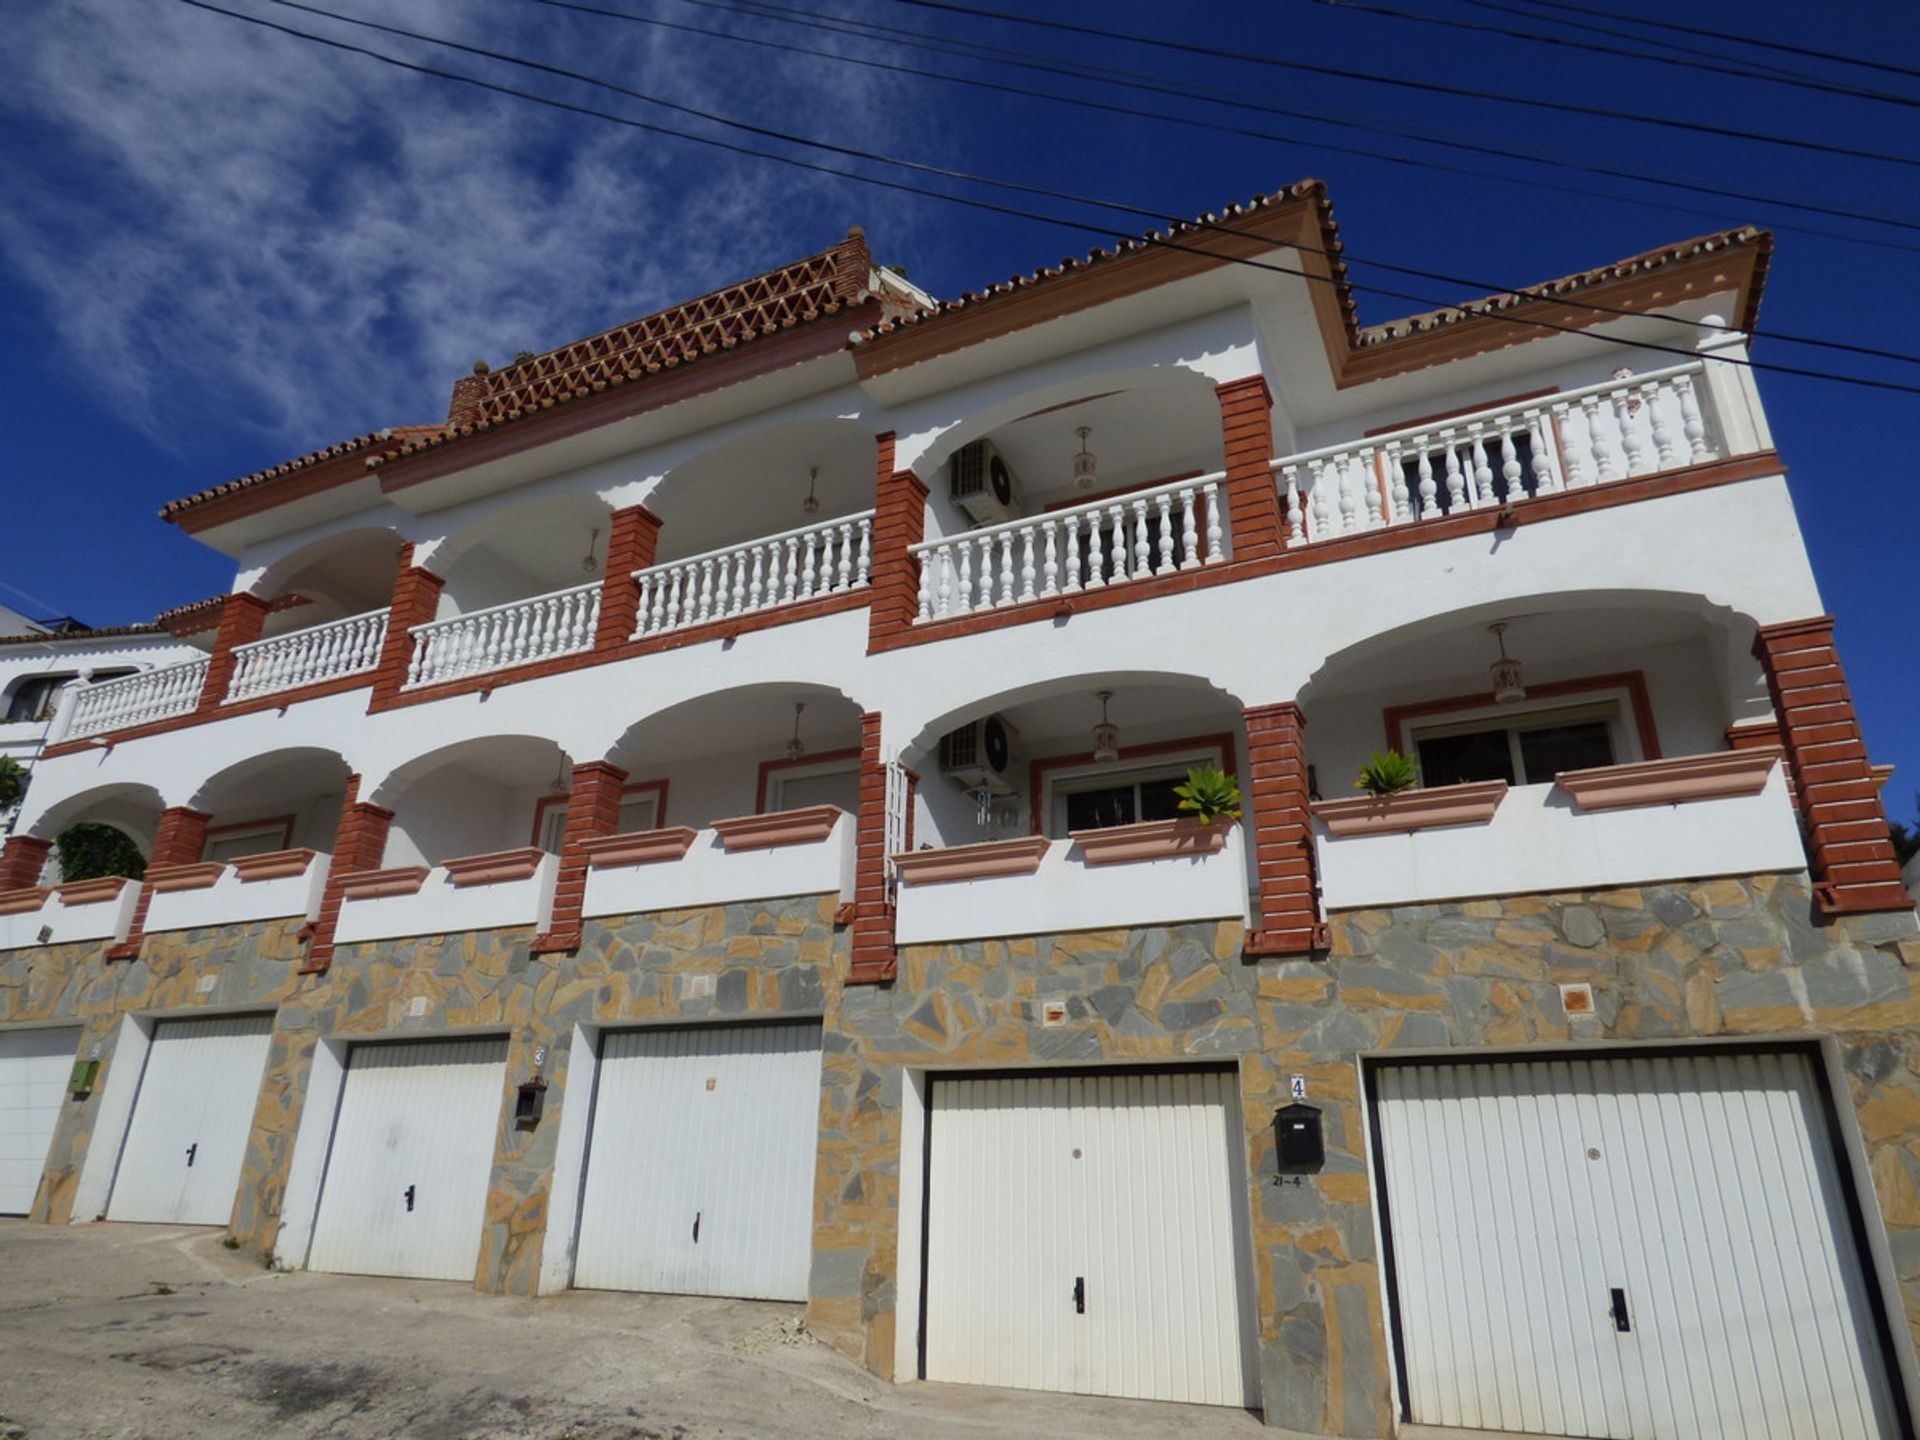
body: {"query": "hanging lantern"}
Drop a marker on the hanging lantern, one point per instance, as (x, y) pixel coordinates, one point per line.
(1083, 465)
(590, 562)
(796, 747)
(1505, 671)
(812, 503)
(1106, 735)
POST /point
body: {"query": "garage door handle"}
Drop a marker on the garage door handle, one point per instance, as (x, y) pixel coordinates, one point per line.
(192, 1150)
(696, 1226)
(409, 1196)
(1620, 1320)
(1079, 1294)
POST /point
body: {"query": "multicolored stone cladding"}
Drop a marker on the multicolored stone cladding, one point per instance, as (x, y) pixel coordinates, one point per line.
(1725, 958)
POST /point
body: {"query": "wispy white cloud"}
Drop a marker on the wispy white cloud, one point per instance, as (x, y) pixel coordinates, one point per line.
(225, 221)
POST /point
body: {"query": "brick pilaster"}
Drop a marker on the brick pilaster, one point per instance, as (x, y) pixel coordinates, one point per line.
(1289, 921)
(630, 547)
(359, 843)
(21, 861)
(593, 809)
(874, 958)
(179, 839)
(241, 620)
(899, 522)
(1253, 502)
(1848, 848)
(1764, 735)
(416, 597)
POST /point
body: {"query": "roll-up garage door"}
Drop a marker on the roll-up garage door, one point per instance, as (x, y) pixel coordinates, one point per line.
(1634, 1246)
(34, 1066)
(700, 1168)
(405, 1191)
(187, 1141)
(1084, 1234)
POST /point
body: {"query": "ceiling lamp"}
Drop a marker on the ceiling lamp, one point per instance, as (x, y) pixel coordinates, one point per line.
(1106, 735)
(812, 503)
(1505, 671)
(591, 562)
(1083, 465)
(796, 747)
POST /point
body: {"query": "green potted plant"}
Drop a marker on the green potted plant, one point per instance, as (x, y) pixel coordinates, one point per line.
(1392, 801)
(1211, 799)
(1387, 772)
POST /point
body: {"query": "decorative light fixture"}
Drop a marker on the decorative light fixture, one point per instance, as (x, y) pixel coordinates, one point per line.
(590, 562)
(812, 503)
(559, 784)
(1505, 671)
(1083, 464)
(796, 747)
(1106, 735)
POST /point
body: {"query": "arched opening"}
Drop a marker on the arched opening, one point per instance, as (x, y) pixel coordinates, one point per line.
(473, 798)
(760, 485)
(555, 543)
(347, 573)
(283, 800)
(108, 830)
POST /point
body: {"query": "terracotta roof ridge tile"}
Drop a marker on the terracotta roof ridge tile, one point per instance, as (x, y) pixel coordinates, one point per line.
(373, 438)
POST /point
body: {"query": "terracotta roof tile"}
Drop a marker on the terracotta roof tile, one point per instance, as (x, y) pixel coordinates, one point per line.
(372, 440)
(104, 632)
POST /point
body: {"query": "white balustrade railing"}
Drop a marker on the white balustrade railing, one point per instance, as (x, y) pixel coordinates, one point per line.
(804, 564)
(1615, 430)
(137, 699)
(516, 633)
(307, 657)
(1181, 525)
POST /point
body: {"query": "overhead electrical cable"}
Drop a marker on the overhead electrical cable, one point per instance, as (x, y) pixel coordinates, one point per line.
(1081, 226)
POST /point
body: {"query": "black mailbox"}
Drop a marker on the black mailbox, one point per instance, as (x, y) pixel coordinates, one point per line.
(1298, 1138)
(532, 1100)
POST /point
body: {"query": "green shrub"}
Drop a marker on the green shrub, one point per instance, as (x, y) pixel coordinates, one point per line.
(89, 850)
(1387, 772)
(1210, 794)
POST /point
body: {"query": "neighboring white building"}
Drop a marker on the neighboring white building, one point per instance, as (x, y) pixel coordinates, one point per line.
(702, 818)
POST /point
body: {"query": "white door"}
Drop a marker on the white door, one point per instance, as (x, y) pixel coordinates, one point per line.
(405, 1191)
(192, 1115)
(700, 1168)
(1083, 1235)
(34, 1066)
(1648, 1247)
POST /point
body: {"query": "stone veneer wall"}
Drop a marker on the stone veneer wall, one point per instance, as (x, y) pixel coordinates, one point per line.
(1671, 961)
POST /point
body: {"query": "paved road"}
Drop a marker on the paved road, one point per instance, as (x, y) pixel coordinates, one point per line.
(140, 1332)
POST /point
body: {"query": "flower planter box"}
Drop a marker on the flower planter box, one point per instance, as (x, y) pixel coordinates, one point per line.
(642, 847)
(20, 902)
(1410, 810)
(785, 827)
(379, 884)
(496, 868)
(273, 865)
(91, 892)
(972, 862)
(1150, 840)
(1723, 775)
(195, 875)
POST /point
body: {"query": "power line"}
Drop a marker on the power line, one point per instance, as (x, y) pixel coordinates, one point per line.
(1567, 42)
(1097, 202)
(1081, 226)
(1212, 52)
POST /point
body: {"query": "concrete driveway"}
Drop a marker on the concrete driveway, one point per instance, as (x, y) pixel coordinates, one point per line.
(157, 1333)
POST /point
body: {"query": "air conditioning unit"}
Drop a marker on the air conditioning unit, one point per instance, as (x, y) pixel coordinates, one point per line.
(980, 756)
(983, 486)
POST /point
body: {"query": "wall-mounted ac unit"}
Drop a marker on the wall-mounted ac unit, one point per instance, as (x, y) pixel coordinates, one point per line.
(980, 755)
(983, 486)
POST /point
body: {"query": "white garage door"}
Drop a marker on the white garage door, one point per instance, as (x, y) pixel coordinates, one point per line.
(1638, 1247)
(194, 1110)
(1082, 1235)
(700, 1170)
(405, 1191)
(34, 1066)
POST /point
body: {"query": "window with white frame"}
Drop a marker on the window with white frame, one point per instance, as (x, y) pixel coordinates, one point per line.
(639, 810)
(1527, 747)
(1095, 796)
(230, 842)
(827, 782)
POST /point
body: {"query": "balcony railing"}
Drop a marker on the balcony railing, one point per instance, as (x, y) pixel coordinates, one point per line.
(500, 636)
(1180, 525)
(1611, 431)
(805, 564)
(307, 657)
(138, 699)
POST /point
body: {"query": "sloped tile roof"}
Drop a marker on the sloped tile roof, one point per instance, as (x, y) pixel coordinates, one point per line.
(373, 440)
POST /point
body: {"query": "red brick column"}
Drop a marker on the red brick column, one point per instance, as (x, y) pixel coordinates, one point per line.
(631, 547)
(179, 839)
(416, 596)
(1253, 502)
(874, 958)
(241, 618)
(899, 522)
(1848, 848)
(21, 862)
(593, 808)
(1289, 921)
(359, 843)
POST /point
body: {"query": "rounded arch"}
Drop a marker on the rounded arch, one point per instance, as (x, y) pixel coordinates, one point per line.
(128, 806)
(506, 755)
(515, 551)
(293, 772)
(349, 572)
(472, 797)
(758, 483)
(1174, 694)
(741, 718)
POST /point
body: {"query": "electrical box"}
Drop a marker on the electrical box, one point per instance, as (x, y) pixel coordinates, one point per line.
(80, 1083)
(1298, 1138)
(531, 1102)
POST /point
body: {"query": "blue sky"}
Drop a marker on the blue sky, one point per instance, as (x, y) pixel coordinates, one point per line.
(220, 247)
